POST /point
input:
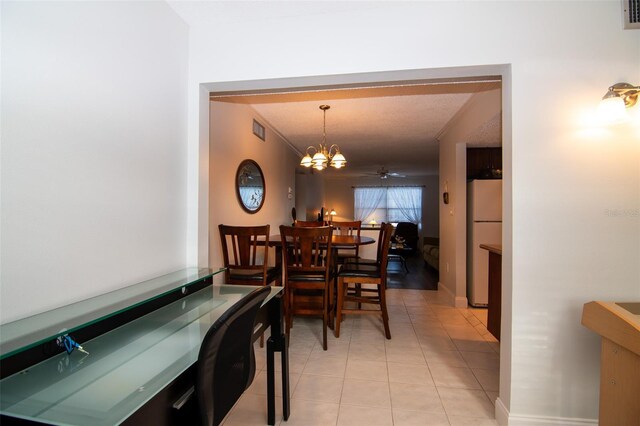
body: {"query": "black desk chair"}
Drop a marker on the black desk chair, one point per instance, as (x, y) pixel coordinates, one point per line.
(226, 363)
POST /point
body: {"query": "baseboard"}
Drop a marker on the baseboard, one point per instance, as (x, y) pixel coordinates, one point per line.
(458, 302)
(450, 296)
(505, 419)
(501, 413)
(461, 302)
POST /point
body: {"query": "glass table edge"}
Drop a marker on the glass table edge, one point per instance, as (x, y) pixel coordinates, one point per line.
(208, 273)
(274, 292)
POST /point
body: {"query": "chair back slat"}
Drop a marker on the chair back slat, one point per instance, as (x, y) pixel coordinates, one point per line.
(386, 231)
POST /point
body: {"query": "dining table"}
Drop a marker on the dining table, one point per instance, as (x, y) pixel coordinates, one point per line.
(337, 242)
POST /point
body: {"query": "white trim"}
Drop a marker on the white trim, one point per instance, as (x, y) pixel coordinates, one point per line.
(450, 296)
(461, 302)
(458, 302)
(504, 418)
(501, 413)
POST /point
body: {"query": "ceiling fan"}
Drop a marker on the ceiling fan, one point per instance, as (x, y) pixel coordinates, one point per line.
(383, 173)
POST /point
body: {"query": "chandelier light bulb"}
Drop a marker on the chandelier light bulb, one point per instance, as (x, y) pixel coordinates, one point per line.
(306, 161)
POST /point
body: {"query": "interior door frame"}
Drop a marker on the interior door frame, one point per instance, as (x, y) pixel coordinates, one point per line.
(376, 79)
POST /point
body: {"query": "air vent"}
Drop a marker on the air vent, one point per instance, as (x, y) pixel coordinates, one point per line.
(631, 12)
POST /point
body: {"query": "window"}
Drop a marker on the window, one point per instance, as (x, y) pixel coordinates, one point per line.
(388, 204)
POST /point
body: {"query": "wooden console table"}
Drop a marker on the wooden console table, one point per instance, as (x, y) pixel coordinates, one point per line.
(495, 288)
(619, 326)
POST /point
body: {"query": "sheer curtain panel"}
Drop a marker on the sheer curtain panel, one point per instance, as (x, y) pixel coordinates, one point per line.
(366, 201)
(407, 201)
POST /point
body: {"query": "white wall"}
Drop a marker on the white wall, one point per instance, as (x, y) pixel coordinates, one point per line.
(564, 246)
(232, 141)
(94, 149)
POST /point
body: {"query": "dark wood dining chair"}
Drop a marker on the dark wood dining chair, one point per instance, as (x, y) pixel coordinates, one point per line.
(245, 252)
(379, 241)
(308, 224)
(361, 274)
(347, 228)
(308, 277)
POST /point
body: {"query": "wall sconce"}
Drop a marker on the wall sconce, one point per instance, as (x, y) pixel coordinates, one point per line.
(614, 104)
(445, 194)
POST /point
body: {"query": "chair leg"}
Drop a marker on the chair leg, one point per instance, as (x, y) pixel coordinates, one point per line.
(341, 292)
(289, 317)
(325, 319)
(383, 308)
(324, 332)
(331, 303)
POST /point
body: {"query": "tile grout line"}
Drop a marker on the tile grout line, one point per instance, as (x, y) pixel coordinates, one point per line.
(431, 374)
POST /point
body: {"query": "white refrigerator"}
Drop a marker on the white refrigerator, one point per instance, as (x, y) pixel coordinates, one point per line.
(484, 226)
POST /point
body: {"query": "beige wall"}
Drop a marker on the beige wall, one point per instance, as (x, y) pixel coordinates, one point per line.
(453, 167)
(309, 194)
(232, 140)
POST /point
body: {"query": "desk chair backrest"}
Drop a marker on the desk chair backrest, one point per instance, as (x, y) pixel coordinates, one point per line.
(226, 363)
(245, 252)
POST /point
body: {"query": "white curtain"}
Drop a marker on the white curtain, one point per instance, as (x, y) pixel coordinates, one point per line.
(408, 200)
(366, 201)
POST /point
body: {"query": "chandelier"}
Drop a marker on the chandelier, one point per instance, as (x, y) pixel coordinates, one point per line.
(324, 155)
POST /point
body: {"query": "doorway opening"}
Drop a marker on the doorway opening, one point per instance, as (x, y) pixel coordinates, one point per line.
(452, 226)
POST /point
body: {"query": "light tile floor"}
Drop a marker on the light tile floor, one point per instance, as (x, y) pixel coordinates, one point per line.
(441, 367)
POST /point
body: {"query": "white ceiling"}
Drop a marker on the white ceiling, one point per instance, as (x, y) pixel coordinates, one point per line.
(392, 127)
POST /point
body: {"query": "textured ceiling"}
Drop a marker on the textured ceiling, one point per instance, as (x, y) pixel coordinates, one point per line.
(395, 128)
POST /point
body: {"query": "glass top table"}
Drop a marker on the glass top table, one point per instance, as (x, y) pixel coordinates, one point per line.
(20, 335)
(125, 367)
